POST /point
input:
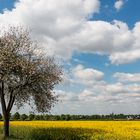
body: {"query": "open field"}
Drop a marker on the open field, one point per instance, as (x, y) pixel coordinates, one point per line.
(74, 130)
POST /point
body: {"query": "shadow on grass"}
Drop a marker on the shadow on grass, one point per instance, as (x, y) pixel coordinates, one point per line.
(10, 138)
(59, 134)
(27, 133)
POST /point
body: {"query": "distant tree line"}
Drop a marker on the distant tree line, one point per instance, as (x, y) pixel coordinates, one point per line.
(24, 117)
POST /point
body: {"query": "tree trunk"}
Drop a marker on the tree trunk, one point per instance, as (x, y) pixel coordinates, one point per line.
(6, 125)
(5, 112)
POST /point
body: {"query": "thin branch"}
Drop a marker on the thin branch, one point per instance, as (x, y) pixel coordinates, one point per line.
(11, 104)
(10, 101)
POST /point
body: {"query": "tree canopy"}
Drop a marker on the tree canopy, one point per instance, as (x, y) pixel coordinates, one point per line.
(26, 74)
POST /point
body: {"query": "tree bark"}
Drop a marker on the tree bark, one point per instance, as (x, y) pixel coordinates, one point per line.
(5, 112)
(6, 116)
(6, 125)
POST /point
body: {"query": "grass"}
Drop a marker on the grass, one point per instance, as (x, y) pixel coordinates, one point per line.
(74, 130)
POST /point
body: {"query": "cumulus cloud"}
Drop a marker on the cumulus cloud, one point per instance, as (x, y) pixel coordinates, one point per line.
(127, 77)
(106, 95)
(95, 87)
(87, 74)
(63, 25)
(96, 92)
(53, 19)
(99, 37)
(118, 4)
(114, 39)
(66, 96)
(103, 38)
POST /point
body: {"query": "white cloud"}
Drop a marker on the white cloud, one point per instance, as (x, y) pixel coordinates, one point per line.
(87, 73)
(54, 19)
(102, 37)
(90, 93)
(51, 21)
(102, 95)
(86, 76)
(127, 77)
(62, 28)
(114, 88)
(66, 96)
(118, 4)
(99, 37)
(116, 40)
(125, 57)
(96, 89)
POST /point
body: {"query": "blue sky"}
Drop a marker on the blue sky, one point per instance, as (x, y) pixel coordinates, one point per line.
(6, 4)
(126, 14)
(98, 43)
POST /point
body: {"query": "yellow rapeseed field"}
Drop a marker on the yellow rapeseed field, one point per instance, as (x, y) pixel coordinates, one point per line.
(102, 130)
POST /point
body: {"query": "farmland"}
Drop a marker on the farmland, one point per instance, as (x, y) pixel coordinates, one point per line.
(74, 130)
